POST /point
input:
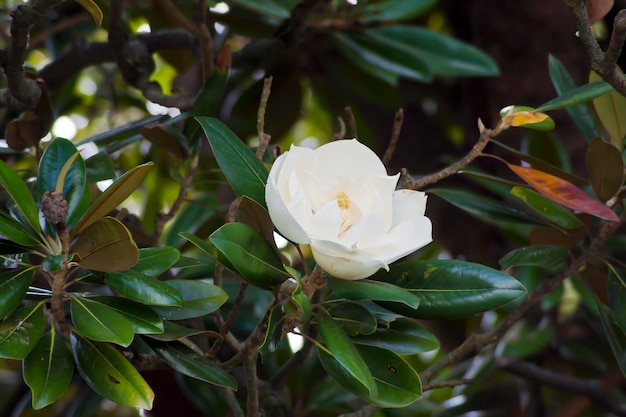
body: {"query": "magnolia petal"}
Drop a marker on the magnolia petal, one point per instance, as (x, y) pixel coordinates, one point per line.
(404, 239)
(343, 262)
(369, 229)
(326, 222)
(282, 218)
(361, 161)
(376, 195)
(408, 204)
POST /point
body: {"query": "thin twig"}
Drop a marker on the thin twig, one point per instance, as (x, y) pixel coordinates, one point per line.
(395, 134)
(351, 122)
(342, 129)
(446, 384)
(264, 138)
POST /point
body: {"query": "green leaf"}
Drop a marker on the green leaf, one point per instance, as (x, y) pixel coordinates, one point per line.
(442, 55)
(155, 261)
(576, 96)
(210, 249)
(395, 10)
(113, 196)
(106, 245)
(402, 336)
(13, 287)
(547, 208)
(615, 335)
(108, 373)
(365, 289)
(580, 114)
(175, 331)
(53, 263)
(246, 250)
(199, 299)
(353, 318)
(20, 331)
(99, 322)
(605, 168)
(17, 233)
(397, 383)
(450, 289)
(143, 319)
(274, 333)
(486, 209)
(99, 167)
(269, 8)
(167, 138)
(144, 289)
(52, 162)
(381, 58)
(19, 192)
(345, 353)
(537, 255)
(611, 109)
(189, 363)
(243, 170)
(93, 10)
(48, 370)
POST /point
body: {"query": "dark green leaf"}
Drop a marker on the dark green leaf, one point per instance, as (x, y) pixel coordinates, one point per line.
(19, 192)
(144, 289)
(605, 168)
(53, 263)
(402, 336)
(48, 369)
(13, 287)
(108, 373)
(246, 250)
(395, 9)
(99, 167)
(344, 352)
(143, 319)
(270, 8)
(528, 339)
(486, 209)
(274, 333)
(243, 170)
(580, 114)
(189, 363)
(210, 249)
(615, 334)
(106, 245)
(537, 255)
(175, 331)
(15, 232)
(365, 289)
(450, 289)
(99, 322)
(547, 208)
(154, 261)
(576, 96)
(50, 166)
(353, 318)
(199, 299)
(20, 331)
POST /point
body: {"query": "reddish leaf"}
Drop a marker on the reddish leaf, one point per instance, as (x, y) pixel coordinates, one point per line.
(597, 9)
(563, 192)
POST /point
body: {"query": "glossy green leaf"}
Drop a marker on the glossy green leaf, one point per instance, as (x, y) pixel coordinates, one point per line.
(210, 249)
(113, 196)
(99, 167)
(605, 168)
(273, 334)
(537, 255)
(395, 9)
(611, 110)
(345, 353)
(402, 336)
(53, 263)
(17, 233)
(48, 370)
(397, 383)
(190, 363)
(524, 116)
(106, 245)
(94, 10)
(548, 147)
(243, 170)
(576, 96)
(353, 318)
(108, 373)
(99, 322)
(580, 114)
(250, 254)
(442, 54)
(57, 154)
(615, 335)
(269, 8)
(144, 289)
(143, 319)
(20, 331)
(381, 58)
(450, 289)
(13, 287)
(365, 289)
(20, 193)
(299, 299)
(155, 261)
(547, 208)
(173, 331)
(486, 209)
(199, 299)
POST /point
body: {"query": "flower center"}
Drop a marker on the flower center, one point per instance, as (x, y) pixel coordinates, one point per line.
(343, 201)
(345, 206)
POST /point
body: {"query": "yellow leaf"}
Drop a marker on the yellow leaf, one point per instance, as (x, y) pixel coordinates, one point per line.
(93, 10)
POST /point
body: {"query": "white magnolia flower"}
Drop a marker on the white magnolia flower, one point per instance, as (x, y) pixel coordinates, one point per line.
(339, 199)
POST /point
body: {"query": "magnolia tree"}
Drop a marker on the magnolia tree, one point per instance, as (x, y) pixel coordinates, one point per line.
(304, 281)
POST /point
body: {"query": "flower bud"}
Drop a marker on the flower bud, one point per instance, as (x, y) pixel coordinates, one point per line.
(54, 207)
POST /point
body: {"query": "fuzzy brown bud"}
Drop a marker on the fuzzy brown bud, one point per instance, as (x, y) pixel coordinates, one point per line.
(54, 207)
